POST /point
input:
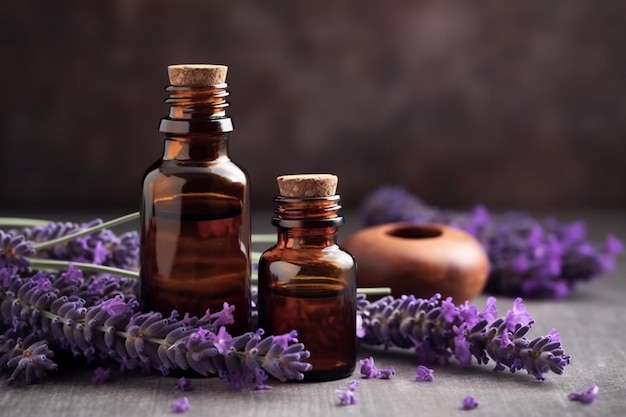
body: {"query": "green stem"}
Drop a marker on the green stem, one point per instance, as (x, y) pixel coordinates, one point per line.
(63, 265)
(374, 291)
(22, 222)
(85, 232)
(263, 238)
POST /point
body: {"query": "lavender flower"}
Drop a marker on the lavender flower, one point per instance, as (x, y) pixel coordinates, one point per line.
(528, 257)
(585, 396)
(469, 403)
(424, 374)
(14, 250)
(421, 324)
(102, 247)
(30, 360)
(49, 309)
(180, 405)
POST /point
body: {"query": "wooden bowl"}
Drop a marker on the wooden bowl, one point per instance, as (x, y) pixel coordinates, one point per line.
(420, 260)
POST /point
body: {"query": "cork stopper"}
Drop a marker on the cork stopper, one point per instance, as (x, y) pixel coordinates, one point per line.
(307, 185)
(197, 74)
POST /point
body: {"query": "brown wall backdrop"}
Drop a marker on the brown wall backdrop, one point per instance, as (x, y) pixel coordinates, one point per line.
(513, 104)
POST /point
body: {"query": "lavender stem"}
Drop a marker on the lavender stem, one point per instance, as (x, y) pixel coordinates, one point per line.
(88, 231)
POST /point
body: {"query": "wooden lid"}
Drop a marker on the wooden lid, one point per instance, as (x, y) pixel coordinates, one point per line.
(197, 74)
(307, 185)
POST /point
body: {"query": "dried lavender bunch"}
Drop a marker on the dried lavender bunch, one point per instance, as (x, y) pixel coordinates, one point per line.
(529, 257)
(102, 247)
(438, 330)
(98, 318)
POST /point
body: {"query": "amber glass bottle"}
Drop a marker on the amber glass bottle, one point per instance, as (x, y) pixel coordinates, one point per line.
(306, 281)
(195, 216)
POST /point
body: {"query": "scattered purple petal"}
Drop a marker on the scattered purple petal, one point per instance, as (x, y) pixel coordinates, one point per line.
(354, 385)
(180, 405)
(368, 369)
(346, 397)
(469, 403)
(386, 373)
(101, 375)
(183, 384)
(424, 374)
(585, 396)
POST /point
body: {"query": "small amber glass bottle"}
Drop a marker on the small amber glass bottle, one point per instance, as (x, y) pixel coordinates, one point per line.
(306, 281)
(195, 216)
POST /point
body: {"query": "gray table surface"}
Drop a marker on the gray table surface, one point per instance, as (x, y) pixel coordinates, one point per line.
(591, 323)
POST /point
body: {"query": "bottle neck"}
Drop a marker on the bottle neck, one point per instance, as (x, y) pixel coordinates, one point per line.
(197, 126)
(307, 222)
(197, 110)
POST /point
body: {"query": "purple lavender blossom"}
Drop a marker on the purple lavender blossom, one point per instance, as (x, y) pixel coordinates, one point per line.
(469, 403)
(103, 247)
(101, 375)
(585, 396)
(60, 310)
(183, 384)
(223, 341)
(346, 397)
(15, 250)
(180, 405)
(424, 374)
(27, 359)
(529, 257)
(410, 322)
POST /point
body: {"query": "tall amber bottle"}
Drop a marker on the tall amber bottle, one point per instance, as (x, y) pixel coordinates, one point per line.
(306, 281)
(195, 216)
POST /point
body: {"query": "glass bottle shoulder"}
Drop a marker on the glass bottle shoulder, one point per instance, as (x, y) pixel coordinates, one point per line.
(171, 170)
(332, 255)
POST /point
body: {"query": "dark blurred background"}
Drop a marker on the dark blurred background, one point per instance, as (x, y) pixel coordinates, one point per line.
(512, 104)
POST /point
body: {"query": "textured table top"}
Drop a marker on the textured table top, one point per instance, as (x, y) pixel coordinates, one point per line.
(591, 323)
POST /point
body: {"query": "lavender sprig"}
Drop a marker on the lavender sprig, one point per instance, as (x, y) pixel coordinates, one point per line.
(529, 257)
(438, 330)
(100, 247)
(106, 323)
